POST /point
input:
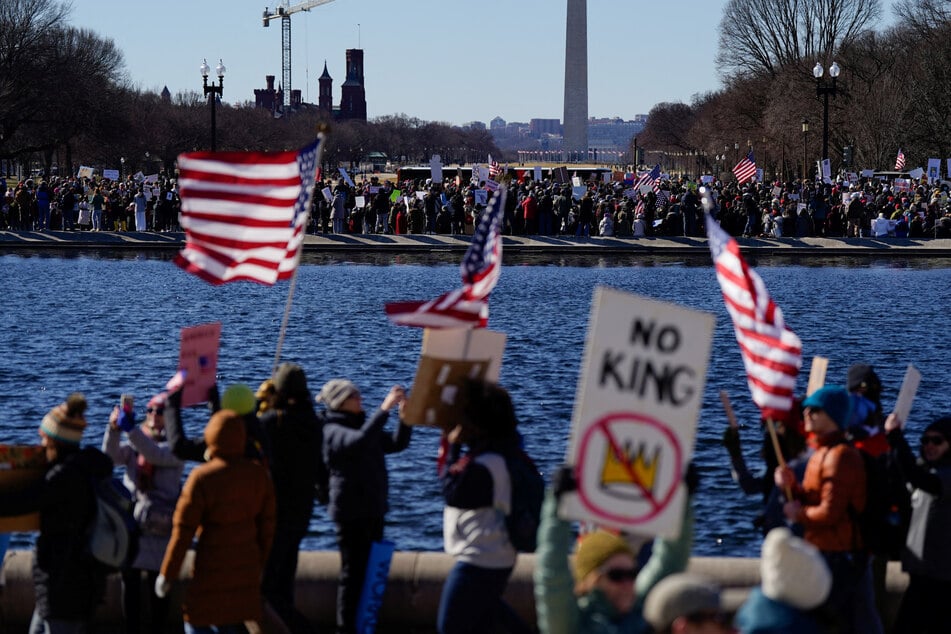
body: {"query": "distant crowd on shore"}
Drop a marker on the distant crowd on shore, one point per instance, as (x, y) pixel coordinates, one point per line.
(791, 209)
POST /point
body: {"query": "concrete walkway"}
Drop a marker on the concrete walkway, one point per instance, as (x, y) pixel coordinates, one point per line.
(561, 245)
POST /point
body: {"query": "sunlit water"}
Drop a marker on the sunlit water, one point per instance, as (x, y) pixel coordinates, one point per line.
(110, 325)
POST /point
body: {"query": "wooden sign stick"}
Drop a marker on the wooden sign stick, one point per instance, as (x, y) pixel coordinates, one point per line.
(779, 453)
(728, 408)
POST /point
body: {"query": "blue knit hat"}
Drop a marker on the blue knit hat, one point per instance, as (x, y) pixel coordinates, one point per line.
(834, 401)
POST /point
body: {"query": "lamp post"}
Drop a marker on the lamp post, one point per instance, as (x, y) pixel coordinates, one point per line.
(805, 131)
(825, 90)
(736, 153)
(212, 90)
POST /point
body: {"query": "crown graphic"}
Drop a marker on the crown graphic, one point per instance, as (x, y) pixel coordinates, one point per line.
(630, 469)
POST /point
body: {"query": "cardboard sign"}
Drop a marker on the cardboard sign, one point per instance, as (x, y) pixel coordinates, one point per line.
(198, 356)
(635, 414)
(449, 357)
(906, 395)
(435, 168)
(817, 374)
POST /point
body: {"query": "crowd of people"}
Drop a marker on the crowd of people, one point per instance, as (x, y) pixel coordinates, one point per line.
(266, 457)
(865, 208)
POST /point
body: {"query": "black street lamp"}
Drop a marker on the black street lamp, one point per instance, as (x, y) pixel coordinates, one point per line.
(825, 90)
(212, 90)
(805, 154)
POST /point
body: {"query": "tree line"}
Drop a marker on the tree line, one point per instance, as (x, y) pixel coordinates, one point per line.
(892, 92)
(65, 100)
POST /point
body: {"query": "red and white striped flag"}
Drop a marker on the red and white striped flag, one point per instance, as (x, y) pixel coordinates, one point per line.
(495, 170)
(772, 353)
(466, 307)
(745, 169)
(245, 213)
(900, 160)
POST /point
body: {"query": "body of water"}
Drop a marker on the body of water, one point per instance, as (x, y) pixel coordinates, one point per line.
(105, 326)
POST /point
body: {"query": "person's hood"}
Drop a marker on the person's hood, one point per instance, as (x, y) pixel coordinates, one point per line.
(225, 435)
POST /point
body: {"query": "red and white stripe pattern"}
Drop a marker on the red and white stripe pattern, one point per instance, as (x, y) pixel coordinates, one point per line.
(495, 170)
(245, 213)
(900, 160)
(466, 307)
(745, 169)
(772, 353)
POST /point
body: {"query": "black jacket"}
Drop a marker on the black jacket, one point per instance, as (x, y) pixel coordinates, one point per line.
(68, 582)
(354, 449)
(296, 465)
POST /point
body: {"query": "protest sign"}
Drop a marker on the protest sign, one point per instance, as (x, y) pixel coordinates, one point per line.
(537, 174)
(560, 174)
(346, 177)
(706, 178)
(328, 195)
(435, 168)
(395, 195)
(198, 356)
(578, 192)
(449, 357)
(491, 185)
(817, 374)
(916, 173)
(481, 196)
(360, 202)
(635, 413)
(576, 181)
(112, 175)
(84, 172)
(909, 386)
(934, 169)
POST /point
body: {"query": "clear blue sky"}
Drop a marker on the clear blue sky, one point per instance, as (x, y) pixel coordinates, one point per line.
(447, 60)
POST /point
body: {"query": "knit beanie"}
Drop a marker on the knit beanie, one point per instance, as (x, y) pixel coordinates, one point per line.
(834, 401)
(793, 571)
(66, 422)
(291, 382)
(238, 398)
(942, 426)
(680, 594)
(335, 392)
(595, 548)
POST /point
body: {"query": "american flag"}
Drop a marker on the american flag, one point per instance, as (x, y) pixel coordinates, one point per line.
(772, 353)
(245, 213)
(900, 160)
(465, 307)
(745, 169)
(495, 170)
(651, 178)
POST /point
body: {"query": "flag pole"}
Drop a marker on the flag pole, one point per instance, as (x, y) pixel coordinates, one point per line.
(322, 130)
(771, 426)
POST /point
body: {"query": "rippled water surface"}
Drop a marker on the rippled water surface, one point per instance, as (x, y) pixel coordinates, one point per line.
(106, 326)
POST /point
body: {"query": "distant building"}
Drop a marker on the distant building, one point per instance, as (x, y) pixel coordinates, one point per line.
(353, 102)
(497, 123)
(539, 127)
(269, 98)
(166, 95)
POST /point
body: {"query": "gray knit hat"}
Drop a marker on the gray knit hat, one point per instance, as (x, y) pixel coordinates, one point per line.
(677, 595)
(335, 392)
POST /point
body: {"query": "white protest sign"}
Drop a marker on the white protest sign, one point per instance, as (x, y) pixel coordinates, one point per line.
(706, 178)
(934, 169)
(576, 181)
(198, 356)
(825, 168)
(374, 189)
(817, 374)
(84, 172)
(328, 195)
(646, 189)
(112, 175)
(139, 176)
(420, 195)
(346, 177)
(916, 173)
(480, 173)
(846, 197)
(151, 178)
(906, 395)
(635, 413)
(631, 193)
(360, 202)
(537, 174)
(867, 173)
(435, 168)
(481, 196)
(578, 192)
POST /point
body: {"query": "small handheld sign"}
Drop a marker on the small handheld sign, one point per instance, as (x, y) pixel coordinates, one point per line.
(199, 358)
(906, 395)
(817, 374)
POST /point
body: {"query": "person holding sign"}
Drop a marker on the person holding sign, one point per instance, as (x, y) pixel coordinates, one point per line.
(354, 450)
(478, 490)
(604, 591)
(927, 553)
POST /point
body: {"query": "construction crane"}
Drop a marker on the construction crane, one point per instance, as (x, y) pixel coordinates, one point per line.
(284, 12)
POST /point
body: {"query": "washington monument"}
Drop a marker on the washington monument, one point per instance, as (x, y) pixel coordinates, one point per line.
(576, 81)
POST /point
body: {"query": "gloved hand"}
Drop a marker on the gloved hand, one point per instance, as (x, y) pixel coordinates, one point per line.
(731, 439)
(692, 478)
(214, 399)
(563, 480)
(126, 420)
(162, 586)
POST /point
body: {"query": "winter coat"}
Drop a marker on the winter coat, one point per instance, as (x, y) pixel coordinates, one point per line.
(354, 450)
(832, 493)
(231, 500)
(154, 501)
(296, 464)
(67, 582)
(559, 611)
(761, 615)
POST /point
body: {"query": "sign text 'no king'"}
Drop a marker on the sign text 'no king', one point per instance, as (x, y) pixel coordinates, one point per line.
(635, 412)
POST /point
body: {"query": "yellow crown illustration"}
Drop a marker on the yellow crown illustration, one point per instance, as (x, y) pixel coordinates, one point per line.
(618, 470)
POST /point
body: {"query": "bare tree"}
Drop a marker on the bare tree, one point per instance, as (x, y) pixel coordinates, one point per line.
(759, 36)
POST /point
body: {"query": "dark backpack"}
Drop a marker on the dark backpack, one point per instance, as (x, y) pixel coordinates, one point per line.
(884, 522)
(528, 493)
(113, 538)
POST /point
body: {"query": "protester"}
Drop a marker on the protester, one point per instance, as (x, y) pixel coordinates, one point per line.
(795, 581)
(354, 449)
(478, 489)
(68, 583)
(153, 474)
(299, 474)
(927, 554)
(685, 603)
(827, 503)
(228, 502)
(605, 590)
